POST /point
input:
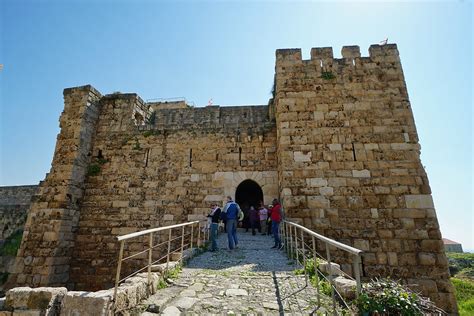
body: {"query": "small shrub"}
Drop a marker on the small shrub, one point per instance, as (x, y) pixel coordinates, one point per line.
(174, 273)
(93, 169)
(387, 297)
(3, 277)
(162, 284)
(327, 75)
(12, 244)
(147, 133)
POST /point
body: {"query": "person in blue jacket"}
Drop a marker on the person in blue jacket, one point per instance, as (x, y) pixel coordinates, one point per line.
(232, 210)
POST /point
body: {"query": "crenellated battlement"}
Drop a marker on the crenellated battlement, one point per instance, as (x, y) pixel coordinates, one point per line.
(324, 55)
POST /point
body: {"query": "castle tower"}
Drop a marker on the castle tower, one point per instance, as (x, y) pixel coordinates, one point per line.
(349, 163)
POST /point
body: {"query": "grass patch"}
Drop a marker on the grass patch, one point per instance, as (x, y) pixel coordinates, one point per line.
(175, 272)
(327, 75)
(464, 295)
(161, 284)
(93, 169)
(12, 244)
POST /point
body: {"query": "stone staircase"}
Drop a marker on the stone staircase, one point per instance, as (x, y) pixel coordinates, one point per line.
(252, 279)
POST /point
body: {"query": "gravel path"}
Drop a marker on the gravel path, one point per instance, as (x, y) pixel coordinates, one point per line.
(252, 279)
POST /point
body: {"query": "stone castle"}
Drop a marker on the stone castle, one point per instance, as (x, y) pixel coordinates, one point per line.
(337, 144)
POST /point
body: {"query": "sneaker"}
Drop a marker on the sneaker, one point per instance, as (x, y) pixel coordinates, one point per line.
(274, 247)
(281, 247)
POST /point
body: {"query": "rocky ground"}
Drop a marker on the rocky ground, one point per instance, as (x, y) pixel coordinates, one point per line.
(252, 279)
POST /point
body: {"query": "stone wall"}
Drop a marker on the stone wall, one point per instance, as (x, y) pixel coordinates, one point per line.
(349, 163)
(165, 174)
(14, 204)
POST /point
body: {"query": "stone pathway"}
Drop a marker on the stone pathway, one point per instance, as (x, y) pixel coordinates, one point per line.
(252, 279)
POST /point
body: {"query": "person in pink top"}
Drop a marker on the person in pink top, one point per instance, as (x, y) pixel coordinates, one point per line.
(263, 216)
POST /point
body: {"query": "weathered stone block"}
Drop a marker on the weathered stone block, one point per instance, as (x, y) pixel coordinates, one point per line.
(318, 202)
(427, 259)
(87, 303)
(419, 201)
(346, 287)
(361, 173)
(45, 299)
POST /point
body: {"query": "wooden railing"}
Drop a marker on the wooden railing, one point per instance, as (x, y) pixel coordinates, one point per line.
(177, 239)
(300, 244)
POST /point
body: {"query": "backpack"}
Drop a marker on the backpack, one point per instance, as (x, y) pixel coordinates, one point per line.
(232, 211)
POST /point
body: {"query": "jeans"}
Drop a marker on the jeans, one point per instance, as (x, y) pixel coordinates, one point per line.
(214, 228)
(276, 233)
(232, 233)
(254, 225)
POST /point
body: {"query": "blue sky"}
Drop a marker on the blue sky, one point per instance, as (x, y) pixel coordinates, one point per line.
(226, 51)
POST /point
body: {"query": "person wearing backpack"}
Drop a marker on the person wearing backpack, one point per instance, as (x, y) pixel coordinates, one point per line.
(232, 211)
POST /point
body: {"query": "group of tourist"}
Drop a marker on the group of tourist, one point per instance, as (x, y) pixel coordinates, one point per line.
(261, 219)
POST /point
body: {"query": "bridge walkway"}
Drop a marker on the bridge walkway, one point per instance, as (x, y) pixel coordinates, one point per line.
(253, 279)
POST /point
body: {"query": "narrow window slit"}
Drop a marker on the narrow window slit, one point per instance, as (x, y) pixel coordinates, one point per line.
(191, 157)
(353, 152)
(240, 156)
(147, 154)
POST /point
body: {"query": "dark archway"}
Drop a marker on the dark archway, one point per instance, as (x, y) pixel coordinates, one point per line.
(248, 193)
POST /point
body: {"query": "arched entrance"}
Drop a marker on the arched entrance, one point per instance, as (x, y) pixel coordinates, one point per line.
(248, 193)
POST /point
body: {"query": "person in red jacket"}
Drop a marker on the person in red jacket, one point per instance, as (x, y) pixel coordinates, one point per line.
(276, 217)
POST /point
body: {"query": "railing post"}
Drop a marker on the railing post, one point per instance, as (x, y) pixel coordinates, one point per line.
(119, 267)
(182, 245)
(357, 273)
(150, 253)
(304, 258)
(169, 249)
(192, 236)
(328, 257)
(291, 244)
(296, 246)
(316, 270)
(199, 235)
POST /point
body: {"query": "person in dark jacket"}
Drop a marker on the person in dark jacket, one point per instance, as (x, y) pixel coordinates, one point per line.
(254, 219)
(215, 216)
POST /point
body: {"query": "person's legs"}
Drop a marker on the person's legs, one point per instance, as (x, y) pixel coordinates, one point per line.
(263, 226)
(230, 232)
(254, 225)
(234, 233)
(277, 233)
(214, 227)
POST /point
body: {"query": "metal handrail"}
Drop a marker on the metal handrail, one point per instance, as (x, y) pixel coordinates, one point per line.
(150, 232)
(295, 244)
